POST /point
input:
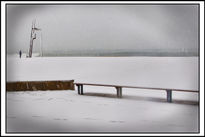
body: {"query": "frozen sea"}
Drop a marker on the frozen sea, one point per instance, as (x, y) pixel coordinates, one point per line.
(99, 110)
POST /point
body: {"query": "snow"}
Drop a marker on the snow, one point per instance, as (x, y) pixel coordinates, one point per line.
(167, 72)
(99, 110)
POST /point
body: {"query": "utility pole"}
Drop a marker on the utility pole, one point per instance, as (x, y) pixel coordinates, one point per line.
(32, 37)
(41, 46)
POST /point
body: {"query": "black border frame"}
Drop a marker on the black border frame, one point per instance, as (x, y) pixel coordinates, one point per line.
(109, 3)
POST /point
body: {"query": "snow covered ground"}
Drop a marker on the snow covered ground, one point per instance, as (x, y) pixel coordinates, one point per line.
(99, 110)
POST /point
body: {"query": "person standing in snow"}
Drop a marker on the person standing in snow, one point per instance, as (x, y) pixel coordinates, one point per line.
(20, 53)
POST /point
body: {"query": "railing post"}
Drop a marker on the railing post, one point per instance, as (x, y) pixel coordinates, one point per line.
(169, 95)
(120, 88)
(81, 89)
(119, 92)
(78, 88)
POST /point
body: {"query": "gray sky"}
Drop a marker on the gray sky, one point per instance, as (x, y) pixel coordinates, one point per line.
(103, 27)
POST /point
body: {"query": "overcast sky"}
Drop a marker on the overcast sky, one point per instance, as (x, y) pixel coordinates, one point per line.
(103, 27)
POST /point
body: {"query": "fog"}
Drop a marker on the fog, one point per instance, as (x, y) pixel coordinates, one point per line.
(78, 30)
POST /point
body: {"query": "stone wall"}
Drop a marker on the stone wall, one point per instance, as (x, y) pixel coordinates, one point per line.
(40, 85)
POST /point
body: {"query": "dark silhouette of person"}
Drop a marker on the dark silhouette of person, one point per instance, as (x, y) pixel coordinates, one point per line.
(20, 53)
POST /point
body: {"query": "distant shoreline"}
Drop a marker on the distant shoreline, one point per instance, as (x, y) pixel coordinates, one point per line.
(112, 55)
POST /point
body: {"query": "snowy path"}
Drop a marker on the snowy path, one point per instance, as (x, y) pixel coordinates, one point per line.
(66, 111)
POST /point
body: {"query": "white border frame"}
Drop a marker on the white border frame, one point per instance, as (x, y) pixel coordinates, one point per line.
(3, 55)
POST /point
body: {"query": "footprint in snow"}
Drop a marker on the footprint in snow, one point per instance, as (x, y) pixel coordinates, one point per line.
(59, 119)
(88, 118)
(36, 116)
(50, 99)
(114, 121)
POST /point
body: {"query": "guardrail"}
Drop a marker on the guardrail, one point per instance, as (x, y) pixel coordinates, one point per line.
(119, 89)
